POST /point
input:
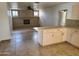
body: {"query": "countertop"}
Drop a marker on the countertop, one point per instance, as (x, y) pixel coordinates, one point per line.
(54, 27)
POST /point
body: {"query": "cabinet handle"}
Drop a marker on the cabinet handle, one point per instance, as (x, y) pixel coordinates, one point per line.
(62, 33)
(58, 30)
(52, 35)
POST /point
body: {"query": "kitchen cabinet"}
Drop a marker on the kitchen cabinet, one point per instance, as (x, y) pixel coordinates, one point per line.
(58, 35)
(51, 36)
(73, 37)
(75, 12)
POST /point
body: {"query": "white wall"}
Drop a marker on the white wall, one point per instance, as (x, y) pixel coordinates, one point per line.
(49, 16)
(46, 17)
(4, 22)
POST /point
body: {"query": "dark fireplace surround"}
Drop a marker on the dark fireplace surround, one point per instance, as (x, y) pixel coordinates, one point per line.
(26, 21)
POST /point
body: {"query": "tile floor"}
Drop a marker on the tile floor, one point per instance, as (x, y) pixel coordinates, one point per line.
(24, 43)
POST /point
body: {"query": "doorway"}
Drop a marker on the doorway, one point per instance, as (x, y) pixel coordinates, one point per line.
(62, 17)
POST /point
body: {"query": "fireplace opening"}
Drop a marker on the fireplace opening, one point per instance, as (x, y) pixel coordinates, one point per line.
(26, 21)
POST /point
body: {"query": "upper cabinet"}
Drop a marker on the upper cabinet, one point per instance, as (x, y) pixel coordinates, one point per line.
(75, 12)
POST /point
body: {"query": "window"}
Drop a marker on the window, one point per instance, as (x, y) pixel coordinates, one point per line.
(36, 13)
(14, 13)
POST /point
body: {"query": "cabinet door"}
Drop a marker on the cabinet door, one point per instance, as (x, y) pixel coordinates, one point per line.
(48, 37)
(53, 36)
(69, 34)
(75, 37)
(75, 11)
(59, 36)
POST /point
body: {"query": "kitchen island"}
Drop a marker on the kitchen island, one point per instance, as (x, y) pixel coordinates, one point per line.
(55, 35)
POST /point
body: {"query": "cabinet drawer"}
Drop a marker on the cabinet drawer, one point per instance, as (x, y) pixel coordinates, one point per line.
(49, 30)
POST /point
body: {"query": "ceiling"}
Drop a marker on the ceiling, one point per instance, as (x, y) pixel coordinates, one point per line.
(46, 4)
(20, 5)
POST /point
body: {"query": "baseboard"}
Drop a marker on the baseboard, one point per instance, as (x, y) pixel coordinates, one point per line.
(73, 44)
(60, 43)
(52, 44)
